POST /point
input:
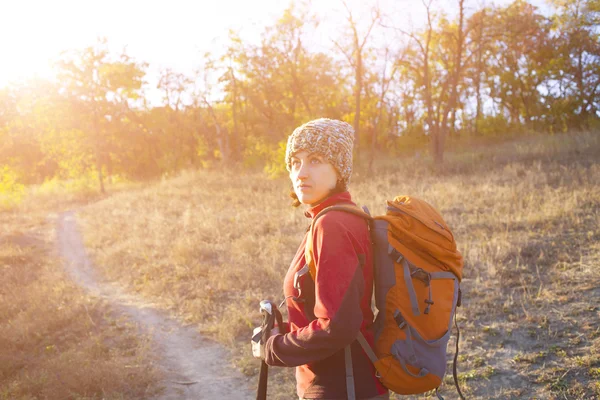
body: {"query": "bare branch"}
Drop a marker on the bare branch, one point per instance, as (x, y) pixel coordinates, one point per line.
(373, 22)
(348, 57)
(408, 34)
(348, 9)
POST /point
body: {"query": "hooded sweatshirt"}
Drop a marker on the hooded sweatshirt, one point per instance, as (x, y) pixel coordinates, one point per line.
(331, 310)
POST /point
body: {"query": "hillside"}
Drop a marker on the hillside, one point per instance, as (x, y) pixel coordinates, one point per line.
(209, 245)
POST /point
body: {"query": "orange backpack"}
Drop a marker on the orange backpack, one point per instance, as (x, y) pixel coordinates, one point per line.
(417, 274)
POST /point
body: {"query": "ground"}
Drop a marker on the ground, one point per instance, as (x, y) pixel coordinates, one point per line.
(206, 246)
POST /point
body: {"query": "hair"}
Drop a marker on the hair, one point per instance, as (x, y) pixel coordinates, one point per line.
(340, 187)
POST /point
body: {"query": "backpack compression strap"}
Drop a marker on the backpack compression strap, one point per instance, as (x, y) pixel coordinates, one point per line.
(350, 389)
(360, 338)
(454, 371)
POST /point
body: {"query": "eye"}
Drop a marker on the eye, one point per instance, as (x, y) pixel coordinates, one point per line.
(315, 160)
(295, 163)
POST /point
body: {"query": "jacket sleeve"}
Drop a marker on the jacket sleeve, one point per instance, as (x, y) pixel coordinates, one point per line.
(339, 287)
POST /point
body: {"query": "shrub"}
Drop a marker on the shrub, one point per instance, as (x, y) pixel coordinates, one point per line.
(11, 191)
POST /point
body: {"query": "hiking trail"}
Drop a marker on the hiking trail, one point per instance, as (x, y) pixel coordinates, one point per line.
(194, 367)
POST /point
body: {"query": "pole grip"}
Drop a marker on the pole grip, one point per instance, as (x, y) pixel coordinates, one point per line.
(268, 323)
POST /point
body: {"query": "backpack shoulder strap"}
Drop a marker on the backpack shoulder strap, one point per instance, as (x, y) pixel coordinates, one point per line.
(454, 369)
(308, 254)
(348, 358)
(308, 249)
(349, 374)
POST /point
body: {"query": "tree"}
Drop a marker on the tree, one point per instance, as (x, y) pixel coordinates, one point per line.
(273, 87)
(354, 53)
(101, 88)
(455, 75)
(523, 51)
(418, 63)
(176, 88)
(32, 112)
(479, 49)
(383, 84)
(201, 94)
(578, 61)
(234, 89)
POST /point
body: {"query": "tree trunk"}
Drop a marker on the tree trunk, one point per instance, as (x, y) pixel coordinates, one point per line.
(222, 141)
(98, 150)
(236, 134)
(99, 172)
(431, 125)
(479, 71)
(109, 170)
(384, 86)
(99, 165)
(357, 93)
(455, 77)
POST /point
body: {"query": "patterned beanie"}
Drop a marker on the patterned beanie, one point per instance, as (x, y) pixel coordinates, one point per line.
(331, 138)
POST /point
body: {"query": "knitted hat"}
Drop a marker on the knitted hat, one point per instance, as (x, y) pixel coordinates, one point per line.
(331, 138)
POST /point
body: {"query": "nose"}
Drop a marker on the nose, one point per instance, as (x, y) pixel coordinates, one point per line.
(302, 171)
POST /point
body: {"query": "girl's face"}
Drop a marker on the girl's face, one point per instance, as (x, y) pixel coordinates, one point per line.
(312, 177)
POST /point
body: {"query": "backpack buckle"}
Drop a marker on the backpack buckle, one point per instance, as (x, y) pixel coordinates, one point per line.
(400, 321)
(394, 254)
(299, 274)
(429, 304)
(422, 275)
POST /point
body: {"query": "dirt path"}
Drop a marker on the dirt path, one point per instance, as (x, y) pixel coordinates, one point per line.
(195, 368)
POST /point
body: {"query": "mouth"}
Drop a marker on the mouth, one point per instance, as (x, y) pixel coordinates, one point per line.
(304, 187)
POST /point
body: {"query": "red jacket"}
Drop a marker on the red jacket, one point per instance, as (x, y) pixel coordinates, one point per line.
(335, 307)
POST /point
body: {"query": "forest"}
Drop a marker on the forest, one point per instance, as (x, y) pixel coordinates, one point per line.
(483, 74)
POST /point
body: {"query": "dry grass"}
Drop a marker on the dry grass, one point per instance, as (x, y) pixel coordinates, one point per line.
(40, 204)
(209, 245)
(57, 342)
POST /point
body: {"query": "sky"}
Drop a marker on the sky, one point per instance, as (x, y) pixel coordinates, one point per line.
(171, 34)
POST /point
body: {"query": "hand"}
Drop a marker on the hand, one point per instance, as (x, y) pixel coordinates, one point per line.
(258, 347)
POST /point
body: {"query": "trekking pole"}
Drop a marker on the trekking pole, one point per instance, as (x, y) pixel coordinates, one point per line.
(266, 309)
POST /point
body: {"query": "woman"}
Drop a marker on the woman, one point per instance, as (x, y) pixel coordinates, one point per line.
(326, 314)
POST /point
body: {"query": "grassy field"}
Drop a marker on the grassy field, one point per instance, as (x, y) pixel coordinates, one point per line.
(57, 342)
(208, 245)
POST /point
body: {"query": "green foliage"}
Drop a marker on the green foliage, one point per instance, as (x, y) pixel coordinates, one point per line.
(11, 191)
(85, 183)
(272, 157)
(255, 152)
(497, 72)
(67, 149)
(494, 125)
(407, 144)
(275, 166)
(203, 150)
(100, 87)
